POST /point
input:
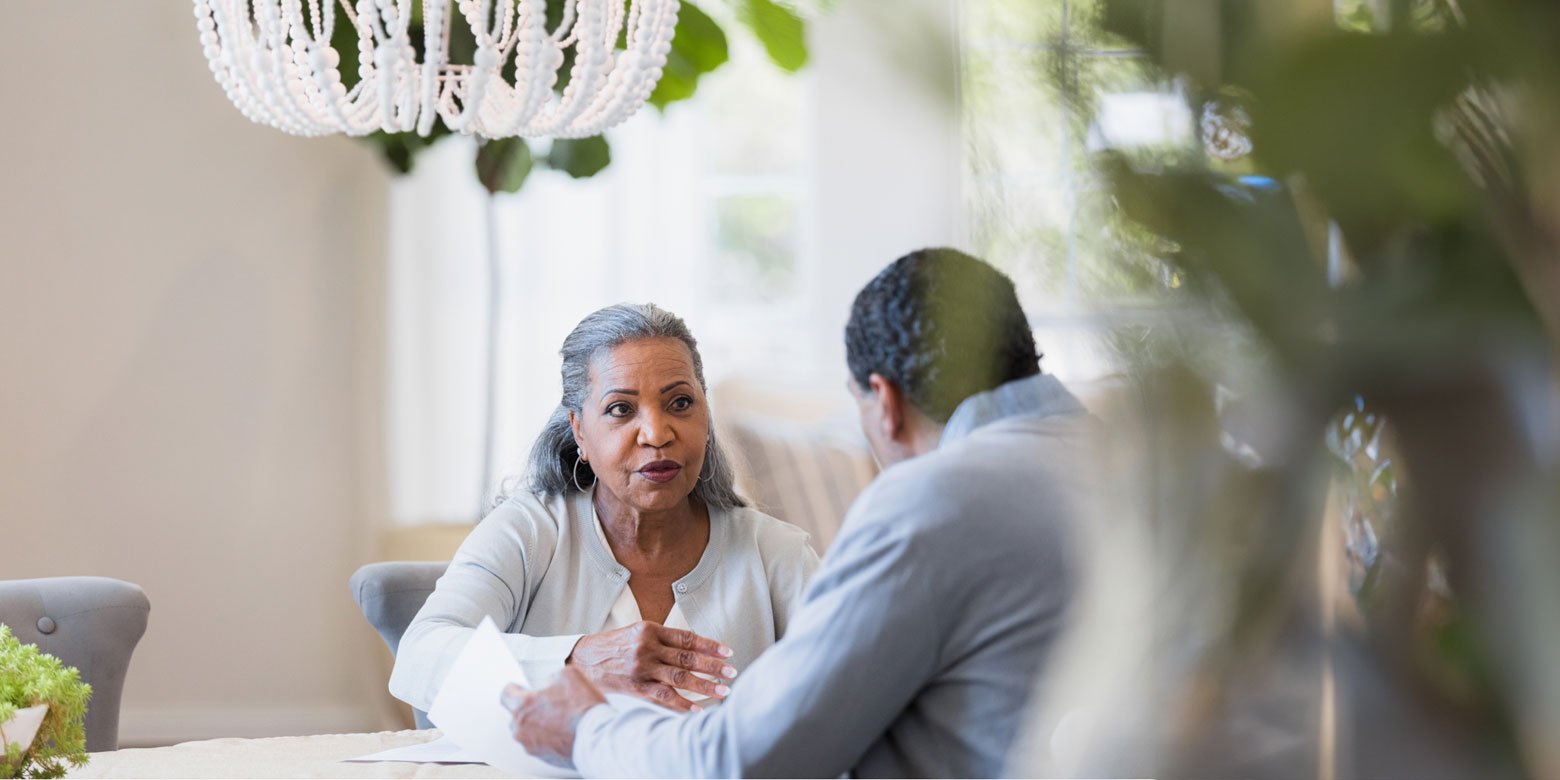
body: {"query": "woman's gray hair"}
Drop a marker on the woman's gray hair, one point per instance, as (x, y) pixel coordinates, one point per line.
(555, 456)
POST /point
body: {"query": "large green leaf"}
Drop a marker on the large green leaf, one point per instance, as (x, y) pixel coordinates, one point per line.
(1233, 241)
(698, 47)
(780, 30)
(581, 158)
(503, 164)
(1357, 115)
(400, 149)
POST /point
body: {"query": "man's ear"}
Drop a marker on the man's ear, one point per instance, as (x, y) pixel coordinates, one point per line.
(891, 405)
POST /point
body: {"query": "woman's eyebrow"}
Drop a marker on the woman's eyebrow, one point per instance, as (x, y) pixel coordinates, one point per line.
(620, 391)
(674, 384)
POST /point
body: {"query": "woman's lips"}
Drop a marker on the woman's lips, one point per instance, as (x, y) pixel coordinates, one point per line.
(661, 471)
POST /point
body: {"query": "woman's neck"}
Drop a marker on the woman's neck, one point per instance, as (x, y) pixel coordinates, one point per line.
(649, 534)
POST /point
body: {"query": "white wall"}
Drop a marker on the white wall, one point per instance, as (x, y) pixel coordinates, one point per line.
(887, 148)
(191, 369)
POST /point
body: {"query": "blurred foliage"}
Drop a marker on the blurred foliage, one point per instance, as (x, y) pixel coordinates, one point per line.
(699, 47)
(1368, 485)
(503, 164)
(759, 233)
(1396, 260)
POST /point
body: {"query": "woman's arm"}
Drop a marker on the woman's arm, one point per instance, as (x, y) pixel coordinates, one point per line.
(789, 562)
(489, 576)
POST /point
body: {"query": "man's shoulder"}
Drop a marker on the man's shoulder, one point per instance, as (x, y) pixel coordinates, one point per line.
(1018, 461)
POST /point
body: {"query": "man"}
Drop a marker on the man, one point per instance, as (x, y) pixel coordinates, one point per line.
(923, 632)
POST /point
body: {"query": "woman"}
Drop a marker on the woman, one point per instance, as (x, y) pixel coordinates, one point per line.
(631, 556)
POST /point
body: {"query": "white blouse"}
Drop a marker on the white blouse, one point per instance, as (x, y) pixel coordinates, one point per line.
(625, 612)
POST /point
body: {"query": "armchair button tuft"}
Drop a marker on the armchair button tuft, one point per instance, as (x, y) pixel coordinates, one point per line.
(46, 625)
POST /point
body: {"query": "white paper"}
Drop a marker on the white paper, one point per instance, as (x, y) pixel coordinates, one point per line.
(439, 751)
(470, 711)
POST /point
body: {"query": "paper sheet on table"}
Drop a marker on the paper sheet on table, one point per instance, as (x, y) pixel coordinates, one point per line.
(469, 710)
(439, 751)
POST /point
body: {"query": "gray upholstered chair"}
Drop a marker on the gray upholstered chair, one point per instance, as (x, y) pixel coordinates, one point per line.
(91, 623)
(390, 594)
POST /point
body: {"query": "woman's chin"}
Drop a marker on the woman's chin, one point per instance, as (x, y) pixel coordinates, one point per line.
(651, 496)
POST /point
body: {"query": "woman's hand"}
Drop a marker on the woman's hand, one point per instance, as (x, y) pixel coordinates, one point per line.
(650, 660)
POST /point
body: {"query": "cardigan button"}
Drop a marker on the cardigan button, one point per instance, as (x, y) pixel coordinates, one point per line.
(46, 625)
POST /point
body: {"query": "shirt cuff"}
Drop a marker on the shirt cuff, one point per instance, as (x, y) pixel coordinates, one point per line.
(584, 733)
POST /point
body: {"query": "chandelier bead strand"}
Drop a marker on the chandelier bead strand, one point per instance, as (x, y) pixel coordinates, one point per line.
(275, 61)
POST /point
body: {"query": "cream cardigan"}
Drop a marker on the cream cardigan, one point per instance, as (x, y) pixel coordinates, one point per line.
(537, 566)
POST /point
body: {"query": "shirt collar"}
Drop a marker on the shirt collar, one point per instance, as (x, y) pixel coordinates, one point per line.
(1041, 395)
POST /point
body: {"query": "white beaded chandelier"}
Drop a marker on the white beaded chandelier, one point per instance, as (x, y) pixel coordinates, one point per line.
(275, 61)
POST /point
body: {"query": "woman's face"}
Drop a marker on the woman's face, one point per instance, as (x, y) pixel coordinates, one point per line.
(644, 424)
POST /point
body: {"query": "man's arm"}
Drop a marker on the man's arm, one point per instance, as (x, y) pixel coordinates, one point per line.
(861, 647)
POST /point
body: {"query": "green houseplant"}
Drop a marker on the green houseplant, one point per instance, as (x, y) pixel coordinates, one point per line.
(1384, 292)
(28, 678)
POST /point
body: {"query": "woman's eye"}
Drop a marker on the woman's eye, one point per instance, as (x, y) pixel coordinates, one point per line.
(682, 403)
(620, 409)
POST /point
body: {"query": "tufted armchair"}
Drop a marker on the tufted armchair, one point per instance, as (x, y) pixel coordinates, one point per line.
(91, 623)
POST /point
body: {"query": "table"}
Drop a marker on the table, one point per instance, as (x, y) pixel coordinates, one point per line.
(313, 756)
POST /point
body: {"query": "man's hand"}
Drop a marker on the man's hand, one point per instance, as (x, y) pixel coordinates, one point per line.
(650, 660)
(544, 721)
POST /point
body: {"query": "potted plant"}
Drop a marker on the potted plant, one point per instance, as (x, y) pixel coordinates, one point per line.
(43, 706)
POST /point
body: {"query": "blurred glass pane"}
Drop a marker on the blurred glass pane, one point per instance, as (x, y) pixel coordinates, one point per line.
(1085, 28)
(1036, 77)
(1114, 257)
(999, 22)
(1120, 103)
(1354, 15)
(755, 114)
(755, 247)
(1113, 73)
(1372, 15)
(1022, 229)
(1014, 118)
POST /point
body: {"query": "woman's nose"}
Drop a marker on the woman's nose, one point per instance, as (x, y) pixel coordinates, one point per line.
(656, 430)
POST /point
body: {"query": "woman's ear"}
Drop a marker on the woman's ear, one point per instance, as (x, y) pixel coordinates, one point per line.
(579, 436)
(890, 402)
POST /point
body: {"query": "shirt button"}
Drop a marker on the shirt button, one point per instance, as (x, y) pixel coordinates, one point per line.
(681, 588)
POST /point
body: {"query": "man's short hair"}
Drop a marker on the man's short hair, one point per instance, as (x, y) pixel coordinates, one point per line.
(943, 326)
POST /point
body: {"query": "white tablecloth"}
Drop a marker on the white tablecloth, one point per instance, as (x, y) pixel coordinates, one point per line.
(314, 756)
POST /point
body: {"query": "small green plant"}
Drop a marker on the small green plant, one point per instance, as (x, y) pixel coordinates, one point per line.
(29, 677)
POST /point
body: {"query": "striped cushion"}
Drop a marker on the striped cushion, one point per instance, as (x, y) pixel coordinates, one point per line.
(805, 475)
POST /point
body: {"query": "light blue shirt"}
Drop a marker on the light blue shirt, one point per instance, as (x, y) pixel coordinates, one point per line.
(921, 635)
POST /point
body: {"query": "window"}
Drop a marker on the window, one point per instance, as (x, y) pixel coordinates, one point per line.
(1042, 91)
(701, 212)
